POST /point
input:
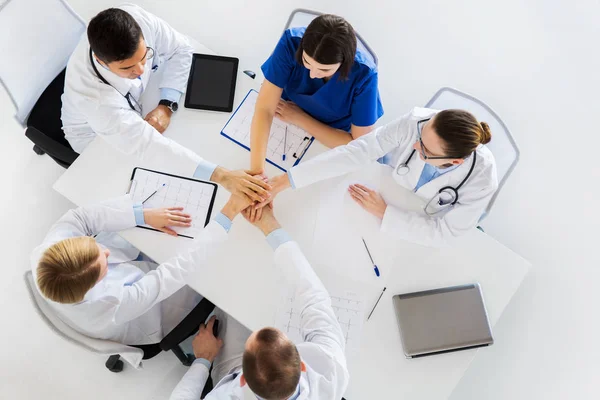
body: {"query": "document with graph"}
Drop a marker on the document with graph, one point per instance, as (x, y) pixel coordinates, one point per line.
(158, 189)
(293, 144)
(348, 306)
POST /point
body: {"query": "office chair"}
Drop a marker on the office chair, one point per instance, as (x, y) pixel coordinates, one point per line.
(36, 47)
(503, 146)
(302, 17)
(132, 354)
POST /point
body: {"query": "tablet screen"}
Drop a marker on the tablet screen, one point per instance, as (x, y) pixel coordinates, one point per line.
(211, 85)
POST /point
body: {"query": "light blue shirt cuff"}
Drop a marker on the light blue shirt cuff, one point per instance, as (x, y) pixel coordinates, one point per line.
(277, 238)
(292, 184)
(138, 211)
(170, 94)
(204, 170)
(202, 361)
(225, 222)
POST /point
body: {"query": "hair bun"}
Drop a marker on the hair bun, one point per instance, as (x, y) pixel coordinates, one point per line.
(486, 133)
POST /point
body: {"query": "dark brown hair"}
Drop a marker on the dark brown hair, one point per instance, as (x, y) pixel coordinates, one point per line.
(114, 35)
(329, 39)
(460, 131)
(272, 368)
(68, 269)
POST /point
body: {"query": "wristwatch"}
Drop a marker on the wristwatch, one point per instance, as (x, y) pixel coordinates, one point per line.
(171, 105)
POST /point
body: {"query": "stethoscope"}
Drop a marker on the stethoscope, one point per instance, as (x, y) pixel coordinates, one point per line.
(447, 196)
(130, 99)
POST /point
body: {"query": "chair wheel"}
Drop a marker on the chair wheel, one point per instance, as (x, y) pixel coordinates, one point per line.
(114, 364)
(38, 151)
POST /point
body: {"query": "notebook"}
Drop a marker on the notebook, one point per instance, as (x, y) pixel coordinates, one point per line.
(196, 197)
(294, 146)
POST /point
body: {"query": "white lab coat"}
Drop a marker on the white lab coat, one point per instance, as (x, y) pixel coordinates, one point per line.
(91, 107)
(125, 306)
(326, 376)
(396, 140)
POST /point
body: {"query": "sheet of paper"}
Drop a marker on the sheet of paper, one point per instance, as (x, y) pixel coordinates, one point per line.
(195, 197)
(348, 306)
(296, 143)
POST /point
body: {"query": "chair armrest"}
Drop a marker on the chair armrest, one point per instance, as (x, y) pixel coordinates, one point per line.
(50, 146)
(188, 326)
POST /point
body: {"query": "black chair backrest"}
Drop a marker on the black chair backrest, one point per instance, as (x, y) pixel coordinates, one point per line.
(45, 115)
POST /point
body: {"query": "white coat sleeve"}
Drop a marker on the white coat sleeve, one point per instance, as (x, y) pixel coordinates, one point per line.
(319, 324)
(356, 154)
(125, 130)
(192, 384)
(175, 49)
(440, 231)
(168, 277)
(108, 216)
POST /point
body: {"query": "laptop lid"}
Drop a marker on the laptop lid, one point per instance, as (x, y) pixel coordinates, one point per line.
(442, 320)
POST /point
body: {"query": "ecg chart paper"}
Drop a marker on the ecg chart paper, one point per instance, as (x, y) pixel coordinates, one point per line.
(195, 197)
(349, 308)
(296, 144)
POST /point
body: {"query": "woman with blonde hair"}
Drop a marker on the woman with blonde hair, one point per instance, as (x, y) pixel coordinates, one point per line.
(440, 155)
(124, 298)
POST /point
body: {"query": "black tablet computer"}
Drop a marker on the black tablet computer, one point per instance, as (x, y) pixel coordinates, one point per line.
(211, 85)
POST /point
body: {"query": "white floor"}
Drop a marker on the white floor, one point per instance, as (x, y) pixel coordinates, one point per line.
(536, 62)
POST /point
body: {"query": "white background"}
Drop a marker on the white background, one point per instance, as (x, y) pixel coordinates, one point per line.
(535, 62)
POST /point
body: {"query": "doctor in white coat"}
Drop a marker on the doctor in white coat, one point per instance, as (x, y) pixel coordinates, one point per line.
(266, 364)
(439, 155)
(106, 76)
(131, 301)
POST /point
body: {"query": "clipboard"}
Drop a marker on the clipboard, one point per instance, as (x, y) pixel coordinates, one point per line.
(197, 197)
(298, 141)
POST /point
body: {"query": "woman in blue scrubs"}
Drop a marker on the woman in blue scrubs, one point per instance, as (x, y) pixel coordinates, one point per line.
(317, 80)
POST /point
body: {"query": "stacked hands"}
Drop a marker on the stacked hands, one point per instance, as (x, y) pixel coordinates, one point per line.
(252, 194)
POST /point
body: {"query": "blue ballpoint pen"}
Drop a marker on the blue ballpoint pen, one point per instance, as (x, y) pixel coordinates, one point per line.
(373, 262)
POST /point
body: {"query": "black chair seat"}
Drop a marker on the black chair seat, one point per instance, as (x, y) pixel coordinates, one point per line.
(44, 125)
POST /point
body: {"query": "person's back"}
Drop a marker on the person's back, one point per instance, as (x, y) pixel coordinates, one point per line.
(108, 72)
(126, 300)
(268, 363)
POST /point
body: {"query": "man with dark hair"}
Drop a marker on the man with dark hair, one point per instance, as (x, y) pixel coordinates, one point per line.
(125, 48)
(267, 363)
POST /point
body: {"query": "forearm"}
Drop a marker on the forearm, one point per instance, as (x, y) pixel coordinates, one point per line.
(330, 137)
(169, 276)
(192, 384)
(259, 138)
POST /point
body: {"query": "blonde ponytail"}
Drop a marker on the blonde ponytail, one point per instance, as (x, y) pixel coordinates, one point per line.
(68, 269)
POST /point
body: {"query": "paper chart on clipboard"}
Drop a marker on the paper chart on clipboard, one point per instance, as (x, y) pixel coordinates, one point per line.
(296, 144)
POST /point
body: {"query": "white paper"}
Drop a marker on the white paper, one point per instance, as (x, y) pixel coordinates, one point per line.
(348, 306)
(192, 195)
(298, 140)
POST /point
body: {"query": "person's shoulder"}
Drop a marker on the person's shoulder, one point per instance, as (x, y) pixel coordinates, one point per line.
(141, 16)
(487, 165)
(419, 113)
(293, 36)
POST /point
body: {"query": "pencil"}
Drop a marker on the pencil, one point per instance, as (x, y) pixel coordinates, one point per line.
(380, 296)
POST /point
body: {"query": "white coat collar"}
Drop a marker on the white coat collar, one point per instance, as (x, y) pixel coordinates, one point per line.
(122, 85)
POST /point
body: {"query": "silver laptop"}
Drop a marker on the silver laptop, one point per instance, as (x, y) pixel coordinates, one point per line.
(442, 320)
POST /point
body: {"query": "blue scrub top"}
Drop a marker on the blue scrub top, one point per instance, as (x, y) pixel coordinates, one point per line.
(337, 103)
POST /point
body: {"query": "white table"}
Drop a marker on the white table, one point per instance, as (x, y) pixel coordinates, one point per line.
(241, 279)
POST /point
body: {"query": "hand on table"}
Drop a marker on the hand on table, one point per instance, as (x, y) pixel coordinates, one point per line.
(368, 199)
(205, 344)
(289, 112)
(162, 218)
(159, 118)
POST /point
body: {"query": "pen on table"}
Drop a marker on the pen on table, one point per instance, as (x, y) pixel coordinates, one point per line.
(380, 296)
(285, 143)
(373, 262)
(153, 193)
